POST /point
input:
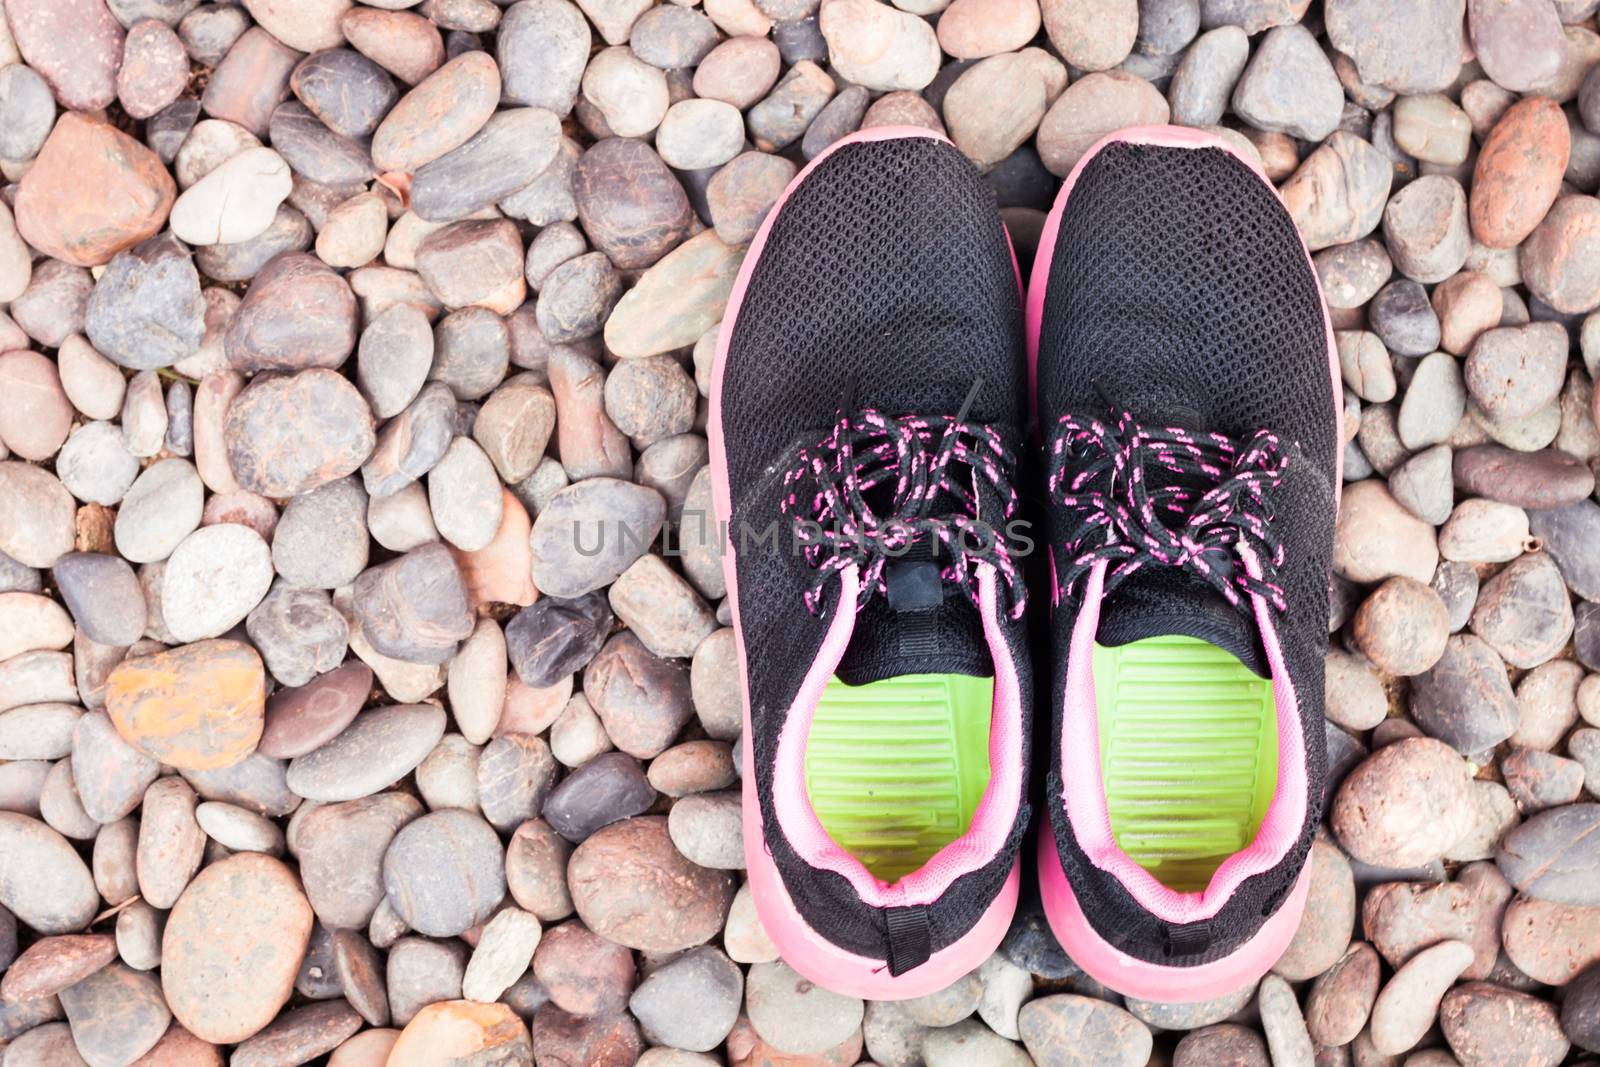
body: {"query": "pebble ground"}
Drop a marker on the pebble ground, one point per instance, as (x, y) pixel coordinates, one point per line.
(326, 324)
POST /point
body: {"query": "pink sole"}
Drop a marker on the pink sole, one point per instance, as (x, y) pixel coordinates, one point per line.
(1091, 952)
(810, 954)
(1150, 981)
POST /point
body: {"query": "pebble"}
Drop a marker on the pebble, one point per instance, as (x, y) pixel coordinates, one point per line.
(239, 829)
(631, 886)
(198, 707)
(1069, 1029)
(1403, 318)
(320, 541)
(515, 776)
(63, 903)
(246, 907)
(52, 964)
(791, 1013)
(1555, 257)
(116, 1014)
(30, 622)
(630, 94)
(1467, 304)
(661, 608)
(92, 383)
(297, 314)
(1406, 1006)
(27, 112)
(461, 1031)
(1413, 51)
(1225, 1043)
(38, 731)
(1432, 128)
(739, 71)
(346, 90)
(1577, 1011)
(1465, 700)
(377, 749)
(213, 579)
(1404, 805)
(1425, 228)
(37, 521)
(643, 699)
(414, 607)
(235, 202)
(1514, 372)
(288, 435)
(1518, 44)
(536, 860)
(146, 310)
(298, 632)
(1289, 86)
(36, 422)
(877, 46)
(542, 46)
(341, 847)
(508, 153)
(607, 789)
(103, 595)
(1548, 857)
(1092, 37)
(1336, 197)
(629, 203)
(1092, 107)
(1479, 1019)
(52, 306)
(393, 359)
(445, 873)
(411, 443)
(76, 45)
(1341, 998)
(1376, 538)
(1565, 533)
(1324, 930)
(441, 113)
(697, 134)
(503, 953)
(651, 398)
(474, 264)
(583, 973)
(615, 521)
(171, 843)
(1518, 173)
(401, 521)
(1523, 612)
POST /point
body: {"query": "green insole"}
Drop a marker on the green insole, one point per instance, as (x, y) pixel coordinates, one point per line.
(896, 768)
(1189, 753)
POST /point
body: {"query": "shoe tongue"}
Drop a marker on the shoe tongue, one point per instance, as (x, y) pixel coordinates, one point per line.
(923, 626)
(1161, 602)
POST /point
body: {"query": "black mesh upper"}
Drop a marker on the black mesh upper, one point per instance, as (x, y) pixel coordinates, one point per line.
(1178, 290)
(886, 280)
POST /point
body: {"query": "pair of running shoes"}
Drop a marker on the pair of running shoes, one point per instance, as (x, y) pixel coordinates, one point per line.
(941, 497)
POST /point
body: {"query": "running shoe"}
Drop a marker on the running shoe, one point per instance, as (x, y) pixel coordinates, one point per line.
(866, 411)
(1189, 402)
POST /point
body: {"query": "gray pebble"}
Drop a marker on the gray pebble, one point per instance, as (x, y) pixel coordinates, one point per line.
(445, 873)
(103, 595)
(376, 750)
(146, 311)
(95, 464)
(1403, 318)
(609, 788)
(511, 150)
(690, 1003)
(299, 633)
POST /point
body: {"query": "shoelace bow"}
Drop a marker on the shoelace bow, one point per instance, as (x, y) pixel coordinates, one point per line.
(1171, 497)
(927, 462)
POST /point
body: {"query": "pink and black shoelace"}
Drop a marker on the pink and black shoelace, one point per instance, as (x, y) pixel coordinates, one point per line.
(1167, 496)
(878, 484)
